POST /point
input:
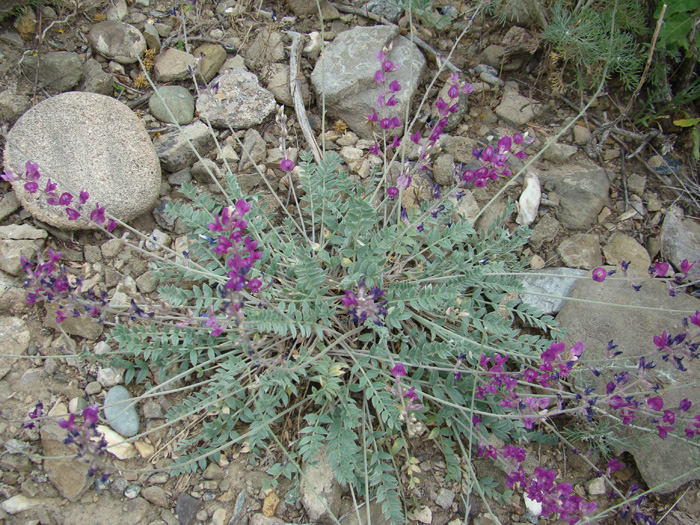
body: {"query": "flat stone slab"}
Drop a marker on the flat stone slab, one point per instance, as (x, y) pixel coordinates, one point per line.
(547, 289)
(85, 141)
(633, 330)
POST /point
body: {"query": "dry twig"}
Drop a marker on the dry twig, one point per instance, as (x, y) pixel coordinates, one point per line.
(295, 87)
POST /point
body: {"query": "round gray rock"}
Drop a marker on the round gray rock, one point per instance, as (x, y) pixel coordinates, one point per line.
(239, 101)
(85, 141)
(123, 420)
(117, 41)
(178, 99)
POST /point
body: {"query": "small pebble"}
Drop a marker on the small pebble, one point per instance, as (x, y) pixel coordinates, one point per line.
(132, 491)
(77, 405)
(93, 388)
(119, 485)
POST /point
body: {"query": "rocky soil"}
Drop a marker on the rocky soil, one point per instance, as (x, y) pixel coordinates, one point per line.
(58, 64)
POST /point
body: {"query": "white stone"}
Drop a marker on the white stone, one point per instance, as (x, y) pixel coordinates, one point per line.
(146, 450)
(158, 239)
(596, 487)
(19, 503)
(121, 451)
(529, 200)
(424, 515)
(535, 507)
(313, 48)
(101, 348)
(109, 377)
(118, 11)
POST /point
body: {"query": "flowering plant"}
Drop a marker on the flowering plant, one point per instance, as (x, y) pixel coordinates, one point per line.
(375, 322)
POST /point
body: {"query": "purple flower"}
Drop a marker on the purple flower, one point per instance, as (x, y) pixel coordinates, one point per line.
(32, 171)
(396, 142)
(98, 214)
(453, 92)
(111, 224)
(372, 117)
(375, 148)
(663, 431)
(599, 275)
(8, 175)
(365, 304)
(379, 77)
(685, 267)
(65, 199)
(441, 106)
(35, 414)
(31, 187)
(72, 214)
(90, 414)
(504, 145)
(404, 181)
(84, 196)
(415, 137)
(385, 123)
(518, 138)
(392, 192)
(656, 403)
(660, 269)
(613, 466)
(484, 451)
(518, 454)
(380, 99)
(286, 165)
(50, 187)
(254, 285)
(684, 405)
(67, 423)
(661, 341)
(60, 316)
(669, 417)
(389, 66)
(398, 370)
(394, 86)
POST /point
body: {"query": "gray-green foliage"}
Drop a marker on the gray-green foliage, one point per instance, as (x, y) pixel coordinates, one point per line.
(446, 287)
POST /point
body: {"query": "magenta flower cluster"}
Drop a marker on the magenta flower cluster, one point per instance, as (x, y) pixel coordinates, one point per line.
(91, 443)
(364, 304)
(31, 177)
(495, 161)
(672, 349)
(48, 281)
(240, 253)
(445, 109)
(556, 498)
(398, 372)
(659, 269)
(386, 98)
(555, 366)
